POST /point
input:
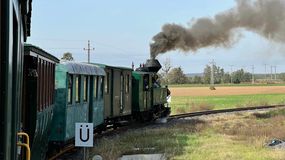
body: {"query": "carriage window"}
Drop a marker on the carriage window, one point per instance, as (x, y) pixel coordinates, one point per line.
(145, 82)
(85, 88)
(102, 85)
(95, 87)
(77, 89)
(70, 82)
(127, 85)
(107, 83)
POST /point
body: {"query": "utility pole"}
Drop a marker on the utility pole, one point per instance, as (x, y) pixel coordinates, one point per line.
(231, 73)
(88, 49)
(212, 87)
(271, 72)
(275, 73)
(265, 71)
(252, 74)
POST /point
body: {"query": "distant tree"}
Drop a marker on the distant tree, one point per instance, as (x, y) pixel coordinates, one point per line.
(282, 76)
(237, 76)
(241, 76)
(197, 80)
(166, 67)
(226, 78)
(67, 56)
(247, 77)
(207, 74)
(176, 76)
(219, 74)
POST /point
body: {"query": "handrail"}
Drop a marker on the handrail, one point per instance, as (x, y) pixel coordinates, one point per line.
(26, 145)
(28, 152)
(25, 135)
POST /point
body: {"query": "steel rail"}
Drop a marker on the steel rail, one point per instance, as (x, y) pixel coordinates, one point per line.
(62, 151)
(208, 112)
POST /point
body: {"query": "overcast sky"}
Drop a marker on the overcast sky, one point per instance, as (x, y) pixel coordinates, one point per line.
(120, 32)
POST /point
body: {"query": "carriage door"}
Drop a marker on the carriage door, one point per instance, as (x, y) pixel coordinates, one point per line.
(107, 94)
(92, 97)
(122, 86)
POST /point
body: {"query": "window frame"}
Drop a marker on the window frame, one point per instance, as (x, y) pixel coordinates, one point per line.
(95, 87)
(77, 88)
(70, 87)
(102, 86)
(107, 83)
(127, 85)
(85, 88)
(146, 82)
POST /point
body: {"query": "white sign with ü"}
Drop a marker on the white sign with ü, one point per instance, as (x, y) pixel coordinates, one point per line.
(84, 134)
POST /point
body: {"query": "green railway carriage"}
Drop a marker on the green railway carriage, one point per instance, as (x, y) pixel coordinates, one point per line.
(15, 18)
(117, 92)
(79, 98)
(38, 97)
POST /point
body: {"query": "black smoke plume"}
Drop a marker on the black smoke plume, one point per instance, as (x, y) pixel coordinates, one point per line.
(264, 17)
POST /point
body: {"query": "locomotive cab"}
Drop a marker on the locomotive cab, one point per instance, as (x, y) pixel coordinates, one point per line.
(149, 97)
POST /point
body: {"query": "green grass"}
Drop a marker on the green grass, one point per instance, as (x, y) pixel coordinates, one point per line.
(224, 85)
(217, 147)
(170, 140)
(238, 136)
(187, 104)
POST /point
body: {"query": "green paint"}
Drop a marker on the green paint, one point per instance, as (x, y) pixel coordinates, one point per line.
(66, 115)
(40, 140)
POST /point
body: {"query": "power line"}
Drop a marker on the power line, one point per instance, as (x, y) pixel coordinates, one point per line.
(78, 40)
(65, 48)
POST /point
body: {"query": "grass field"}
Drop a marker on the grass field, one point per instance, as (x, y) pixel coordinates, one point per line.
(240, 136)
(188, 99)
(184, 104)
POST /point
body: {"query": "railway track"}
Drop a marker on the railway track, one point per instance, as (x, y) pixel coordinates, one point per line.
(62, 151)
(71, 147)
(70, 150)
(200, 113)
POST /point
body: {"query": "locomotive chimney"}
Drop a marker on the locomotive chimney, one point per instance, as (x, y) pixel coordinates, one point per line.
(153, 65)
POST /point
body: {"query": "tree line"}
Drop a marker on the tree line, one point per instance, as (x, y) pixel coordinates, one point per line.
(175, 75)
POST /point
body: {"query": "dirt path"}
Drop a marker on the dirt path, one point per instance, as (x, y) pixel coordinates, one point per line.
(220, 91)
